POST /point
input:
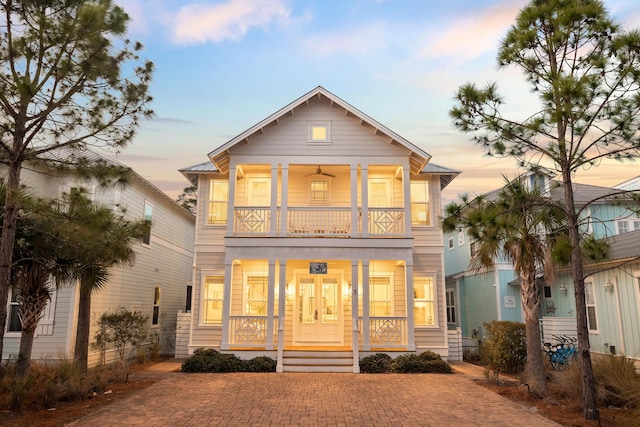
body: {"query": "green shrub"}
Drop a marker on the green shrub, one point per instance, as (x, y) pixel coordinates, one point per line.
(378, 363)
(211, 360)
(505, 349)
(260, 364)
(427, 362)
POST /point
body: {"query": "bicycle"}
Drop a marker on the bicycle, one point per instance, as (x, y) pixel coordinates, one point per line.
(562, 352)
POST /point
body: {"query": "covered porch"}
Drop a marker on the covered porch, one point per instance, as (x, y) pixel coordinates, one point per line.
(342, 306)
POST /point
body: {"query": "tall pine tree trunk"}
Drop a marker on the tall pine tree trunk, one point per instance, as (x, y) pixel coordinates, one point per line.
(590, 406)
(7, 239)
(81, 350)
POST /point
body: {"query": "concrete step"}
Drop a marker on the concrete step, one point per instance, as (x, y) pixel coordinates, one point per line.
(317, 361)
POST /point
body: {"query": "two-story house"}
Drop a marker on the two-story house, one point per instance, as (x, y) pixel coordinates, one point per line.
(478, 296)
(318, 241)
(155, 286)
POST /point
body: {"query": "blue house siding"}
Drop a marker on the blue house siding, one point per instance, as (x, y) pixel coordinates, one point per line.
(512, 293)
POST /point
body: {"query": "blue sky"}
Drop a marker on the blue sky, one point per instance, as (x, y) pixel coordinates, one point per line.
(224, 65)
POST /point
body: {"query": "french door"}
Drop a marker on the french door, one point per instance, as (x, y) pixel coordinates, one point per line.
(318, 310)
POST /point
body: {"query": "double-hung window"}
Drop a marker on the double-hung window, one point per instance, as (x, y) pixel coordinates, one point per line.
(218, 201)
(213, 299)
(423, 301)
(148, 219)
(590, 299)
(155, 318)
(420, 203)
(451, 306)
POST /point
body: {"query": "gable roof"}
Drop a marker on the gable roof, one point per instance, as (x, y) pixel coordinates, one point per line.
(418, 158)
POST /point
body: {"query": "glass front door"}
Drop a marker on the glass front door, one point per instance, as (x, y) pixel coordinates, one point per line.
(318, 314)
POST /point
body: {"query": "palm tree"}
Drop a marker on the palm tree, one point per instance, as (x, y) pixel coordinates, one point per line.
(36, 264)
(523, 225)
(106, 239)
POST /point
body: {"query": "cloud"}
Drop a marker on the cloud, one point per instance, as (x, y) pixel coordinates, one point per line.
(172, 120)
(472, 34)
(230, 20)
(359, 41)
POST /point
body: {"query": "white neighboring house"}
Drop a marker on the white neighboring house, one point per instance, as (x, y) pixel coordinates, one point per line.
(155, 286)
(318, 241)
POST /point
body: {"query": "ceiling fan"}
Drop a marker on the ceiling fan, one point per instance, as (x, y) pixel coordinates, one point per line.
(319, 172)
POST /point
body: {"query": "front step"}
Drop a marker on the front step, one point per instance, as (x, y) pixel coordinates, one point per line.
(317, 361)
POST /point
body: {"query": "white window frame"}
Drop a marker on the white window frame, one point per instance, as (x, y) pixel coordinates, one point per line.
(10, 305)
(473, 247)
(450, 301)
(544, 294)
(147, 203)
(211, 202)
(326, 125)
(204, 299)
(460, 237)
(426, 300)
(157, 300)
(391, 300)
(590, 283)
(245, 296)
(48, 315)
(630, 224)
(326, 180)
(427, 204)
(451, 243)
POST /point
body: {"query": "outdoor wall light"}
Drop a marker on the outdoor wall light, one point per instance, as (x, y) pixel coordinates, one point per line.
(563, 289)
(608, 286)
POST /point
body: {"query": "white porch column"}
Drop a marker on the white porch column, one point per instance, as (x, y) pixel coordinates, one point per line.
(364, 182)
(282, 288)
(231, 202)
(355, 345)
(406, 184)
(411, 341)
(271, 283)
(284, 196)
(354, 202)
(226, 305)
(366, 327)
(273, 216)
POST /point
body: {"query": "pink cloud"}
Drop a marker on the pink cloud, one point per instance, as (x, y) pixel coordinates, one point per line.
(201, 23)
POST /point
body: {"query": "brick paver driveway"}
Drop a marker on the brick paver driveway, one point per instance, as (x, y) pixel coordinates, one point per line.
(314, 400)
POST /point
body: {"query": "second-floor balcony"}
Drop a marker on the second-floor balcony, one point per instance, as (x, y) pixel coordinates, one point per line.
(319, 222)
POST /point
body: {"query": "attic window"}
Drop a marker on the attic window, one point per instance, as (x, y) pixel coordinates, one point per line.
(320, 132)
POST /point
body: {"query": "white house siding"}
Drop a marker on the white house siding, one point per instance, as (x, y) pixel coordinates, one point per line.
(348, 138)
(170, 251)
(428, 261)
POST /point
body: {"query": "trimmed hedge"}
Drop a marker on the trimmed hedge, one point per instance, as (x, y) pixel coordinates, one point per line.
(426, 362)
(211, 360)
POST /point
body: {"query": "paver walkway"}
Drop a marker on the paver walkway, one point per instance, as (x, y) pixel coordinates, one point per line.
(291, 399)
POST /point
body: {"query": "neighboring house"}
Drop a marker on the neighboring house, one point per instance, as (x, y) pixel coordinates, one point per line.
(479, 296)
(612, 289)
(156, 285)
(318, 241)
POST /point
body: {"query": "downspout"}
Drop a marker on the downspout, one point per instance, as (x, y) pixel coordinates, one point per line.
(496, 284)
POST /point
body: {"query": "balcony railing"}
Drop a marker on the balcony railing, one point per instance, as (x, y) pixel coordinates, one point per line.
(319, 221)
(250, 330)
(385, 332)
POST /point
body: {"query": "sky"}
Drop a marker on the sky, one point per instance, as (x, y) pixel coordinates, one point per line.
(222, 66)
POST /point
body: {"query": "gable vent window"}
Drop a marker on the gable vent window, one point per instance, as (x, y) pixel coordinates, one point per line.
(320, 132)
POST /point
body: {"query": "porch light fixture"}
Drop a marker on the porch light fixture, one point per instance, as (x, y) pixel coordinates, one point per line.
(608, 286)
(563, 289)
